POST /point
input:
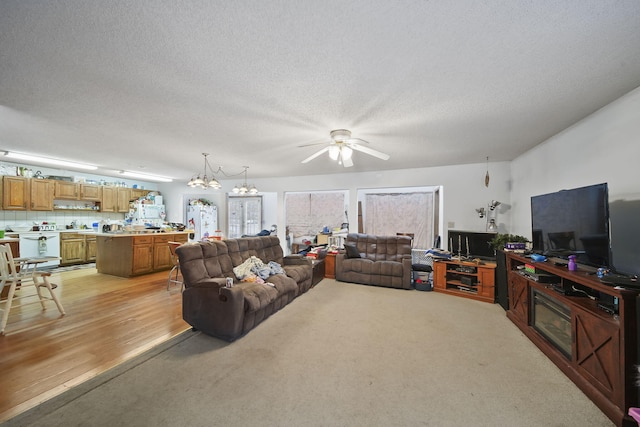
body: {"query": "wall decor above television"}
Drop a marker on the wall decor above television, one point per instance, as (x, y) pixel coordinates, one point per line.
(573, 222)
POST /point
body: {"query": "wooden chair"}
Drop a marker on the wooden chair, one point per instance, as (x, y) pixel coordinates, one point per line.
(20, 275)
(175, 271)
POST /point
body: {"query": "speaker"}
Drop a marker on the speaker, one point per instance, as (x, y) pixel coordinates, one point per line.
(502, 289)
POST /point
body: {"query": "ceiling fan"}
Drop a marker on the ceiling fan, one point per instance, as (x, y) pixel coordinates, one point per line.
(341, 148)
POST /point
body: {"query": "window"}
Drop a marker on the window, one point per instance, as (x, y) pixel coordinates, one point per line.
(386, 214)
(308, 213)
(244, 216)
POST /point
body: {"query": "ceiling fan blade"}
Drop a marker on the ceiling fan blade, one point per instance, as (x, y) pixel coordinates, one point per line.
(369, 151)
(347, 163)
(310, 144)
(316, 154)
(356, 141)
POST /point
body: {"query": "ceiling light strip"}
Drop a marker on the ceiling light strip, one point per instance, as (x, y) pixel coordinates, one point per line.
(145, 176)
(57, 162)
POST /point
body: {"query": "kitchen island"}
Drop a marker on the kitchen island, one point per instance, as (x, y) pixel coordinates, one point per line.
(133, 254)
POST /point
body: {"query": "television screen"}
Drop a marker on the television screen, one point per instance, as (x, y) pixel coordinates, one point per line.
(573, 222)
(472, 243)
(625, 236)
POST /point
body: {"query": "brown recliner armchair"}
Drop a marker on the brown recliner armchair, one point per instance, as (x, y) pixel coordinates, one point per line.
(375, 260)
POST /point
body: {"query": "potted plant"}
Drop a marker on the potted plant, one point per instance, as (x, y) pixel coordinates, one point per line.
(500, 240)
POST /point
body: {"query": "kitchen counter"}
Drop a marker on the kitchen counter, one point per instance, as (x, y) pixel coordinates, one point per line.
(134, 254)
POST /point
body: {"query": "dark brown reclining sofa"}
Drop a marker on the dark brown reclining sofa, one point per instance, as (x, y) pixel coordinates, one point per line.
(375, 260)
(229, 313)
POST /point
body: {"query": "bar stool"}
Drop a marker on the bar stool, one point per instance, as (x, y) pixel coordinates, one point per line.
(175, 271)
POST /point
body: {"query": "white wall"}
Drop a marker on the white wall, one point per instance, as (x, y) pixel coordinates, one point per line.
(463, 192)
(603, 147)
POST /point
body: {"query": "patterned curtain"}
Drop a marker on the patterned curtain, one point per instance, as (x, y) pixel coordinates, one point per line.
(308, 213)
(388, 214)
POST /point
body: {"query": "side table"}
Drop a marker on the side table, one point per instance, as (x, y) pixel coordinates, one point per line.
(318, 271)
(330, 265)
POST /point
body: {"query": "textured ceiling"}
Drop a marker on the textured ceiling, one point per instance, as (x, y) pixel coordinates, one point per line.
(149, 85)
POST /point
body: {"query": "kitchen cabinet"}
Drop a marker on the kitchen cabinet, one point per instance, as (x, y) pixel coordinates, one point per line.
(15, 193)
(137, 193)
(124, 197)
(65, 190)
(161, 253)
(127, 255)
(21, 194)
(91, 192)
(115, 199)
(109, 200)
(40, 195)
(77, 248)
(91, 248)
(142, 255)
(72, 248)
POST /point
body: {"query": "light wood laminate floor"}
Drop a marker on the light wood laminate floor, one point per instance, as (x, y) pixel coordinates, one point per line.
(108, 321)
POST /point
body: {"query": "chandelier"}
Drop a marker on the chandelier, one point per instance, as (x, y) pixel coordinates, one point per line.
(203, 181)
(244, 189)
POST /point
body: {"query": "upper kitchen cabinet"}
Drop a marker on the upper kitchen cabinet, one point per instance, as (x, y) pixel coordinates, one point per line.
(73, 191)
(124, 199)
(137, 193)
(115, 199)
(15, 193)
(21, 194)
(91, 192)
(66, 190)
(41, 190)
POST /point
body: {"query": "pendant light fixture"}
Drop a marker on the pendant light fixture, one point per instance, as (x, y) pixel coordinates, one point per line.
(203, 181)
(486, 177)
(245, 189)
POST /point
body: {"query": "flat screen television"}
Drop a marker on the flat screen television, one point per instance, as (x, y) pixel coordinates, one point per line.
(473, 243)
(573, 222)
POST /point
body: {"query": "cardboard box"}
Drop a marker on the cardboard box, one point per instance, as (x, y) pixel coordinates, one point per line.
(322, 239)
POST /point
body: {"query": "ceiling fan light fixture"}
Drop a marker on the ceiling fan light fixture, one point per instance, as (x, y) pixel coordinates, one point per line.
(340, 135)
(347, 152)
(341, 147)
(334, 152)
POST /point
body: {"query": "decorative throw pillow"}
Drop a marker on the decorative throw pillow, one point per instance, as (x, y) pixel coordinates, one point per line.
(352, 251)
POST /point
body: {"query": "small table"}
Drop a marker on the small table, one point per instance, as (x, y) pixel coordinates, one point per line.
(318, 271)
(330, 265)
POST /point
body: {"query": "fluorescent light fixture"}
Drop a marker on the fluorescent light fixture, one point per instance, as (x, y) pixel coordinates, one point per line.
(37, 159)
(146, 177)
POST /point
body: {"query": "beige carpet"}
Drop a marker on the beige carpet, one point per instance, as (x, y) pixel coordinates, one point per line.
(340, 355)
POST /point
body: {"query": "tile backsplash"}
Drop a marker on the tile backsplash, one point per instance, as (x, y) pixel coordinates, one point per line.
(61, 218)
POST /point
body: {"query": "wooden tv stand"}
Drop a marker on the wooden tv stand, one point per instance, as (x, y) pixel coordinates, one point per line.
(598, 348)
(465, 279)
